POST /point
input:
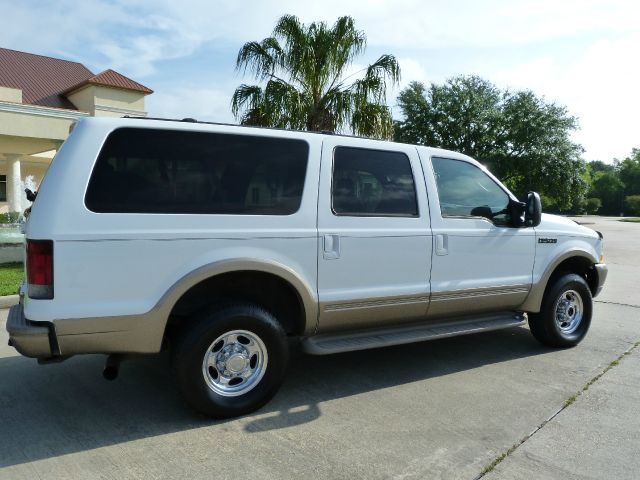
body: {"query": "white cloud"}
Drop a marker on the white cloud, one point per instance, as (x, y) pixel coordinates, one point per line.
(599, 87)
(138, 34)
(206, 104)
(412, 71)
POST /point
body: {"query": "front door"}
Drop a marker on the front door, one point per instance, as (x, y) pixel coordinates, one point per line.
(480, 263)
(374, 237)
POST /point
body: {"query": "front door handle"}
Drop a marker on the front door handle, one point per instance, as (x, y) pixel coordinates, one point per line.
(331, 247)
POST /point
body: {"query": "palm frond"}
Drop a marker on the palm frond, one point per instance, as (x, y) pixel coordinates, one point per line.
(304, 68)
(373, 120)
(261, 58)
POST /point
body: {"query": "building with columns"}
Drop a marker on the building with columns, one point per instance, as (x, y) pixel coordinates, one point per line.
(40, 98)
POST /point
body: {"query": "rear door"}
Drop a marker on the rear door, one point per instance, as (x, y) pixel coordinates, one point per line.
(374, 236)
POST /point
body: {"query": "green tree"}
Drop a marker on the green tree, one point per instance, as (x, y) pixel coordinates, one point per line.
(306, 88)
(630, 173)
(607, 186)
(521, 137)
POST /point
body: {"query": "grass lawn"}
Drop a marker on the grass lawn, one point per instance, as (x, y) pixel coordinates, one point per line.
(11, 274)
(631, 219)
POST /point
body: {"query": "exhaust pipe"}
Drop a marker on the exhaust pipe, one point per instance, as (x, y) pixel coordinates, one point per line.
(112, 367)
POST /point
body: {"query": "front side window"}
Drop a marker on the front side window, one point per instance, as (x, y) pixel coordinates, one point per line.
(465, 190)
(172, 171)
(372, 183)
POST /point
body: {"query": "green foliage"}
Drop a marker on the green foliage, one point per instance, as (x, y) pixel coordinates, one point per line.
(630, 173)
(549, 204)
(9, 217)
(592, 205)
(521, 137)
(11, 274)
(306, 88)
(615, 182)
(607, 186)
(632, 203)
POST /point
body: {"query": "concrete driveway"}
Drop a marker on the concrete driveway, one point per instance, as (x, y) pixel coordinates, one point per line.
(443, 409)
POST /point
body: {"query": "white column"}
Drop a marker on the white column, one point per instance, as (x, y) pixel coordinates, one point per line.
(14, 183)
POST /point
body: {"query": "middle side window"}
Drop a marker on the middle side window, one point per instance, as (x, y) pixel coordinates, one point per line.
(373, 183)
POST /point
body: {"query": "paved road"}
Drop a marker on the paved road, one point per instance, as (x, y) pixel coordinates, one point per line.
(442, 409)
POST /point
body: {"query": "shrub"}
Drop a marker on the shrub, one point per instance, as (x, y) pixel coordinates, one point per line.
(593, 205)
(633, 204)
(10, 217)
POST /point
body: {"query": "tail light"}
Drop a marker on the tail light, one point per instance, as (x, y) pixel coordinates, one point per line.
(40, 268)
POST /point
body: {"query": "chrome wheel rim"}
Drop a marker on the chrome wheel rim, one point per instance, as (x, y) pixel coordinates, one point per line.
(234, 363)
(568, 311)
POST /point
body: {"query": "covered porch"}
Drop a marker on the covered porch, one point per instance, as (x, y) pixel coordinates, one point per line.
(30, 135)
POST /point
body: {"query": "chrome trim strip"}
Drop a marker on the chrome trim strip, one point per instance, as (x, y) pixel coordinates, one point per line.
(386, 302)
(473, 293)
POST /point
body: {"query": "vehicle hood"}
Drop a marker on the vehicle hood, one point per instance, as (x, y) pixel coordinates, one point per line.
(563, 226)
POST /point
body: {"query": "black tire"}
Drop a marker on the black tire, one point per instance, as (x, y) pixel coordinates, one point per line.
(551, 332)
(196, 338)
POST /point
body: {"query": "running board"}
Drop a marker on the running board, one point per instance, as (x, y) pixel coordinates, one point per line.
(346, 342)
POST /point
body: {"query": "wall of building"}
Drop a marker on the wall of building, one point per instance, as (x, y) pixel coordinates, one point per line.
(31, 122)
(10, 94)
(116, 98)
(84, 99)
(108, 102)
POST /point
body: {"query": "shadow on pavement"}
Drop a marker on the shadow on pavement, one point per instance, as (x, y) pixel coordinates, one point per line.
(53, 410)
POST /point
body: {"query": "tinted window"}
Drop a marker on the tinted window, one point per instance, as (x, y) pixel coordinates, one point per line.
(373, 183)
(465, 190)
(165, 171)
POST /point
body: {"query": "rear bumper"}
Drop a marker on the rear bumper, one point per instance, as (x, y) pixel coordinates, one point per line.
(31, 339)
(602, 271)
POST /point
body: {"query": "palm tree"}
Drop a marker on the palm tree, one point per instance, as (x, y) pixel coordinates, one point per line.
(306, 88)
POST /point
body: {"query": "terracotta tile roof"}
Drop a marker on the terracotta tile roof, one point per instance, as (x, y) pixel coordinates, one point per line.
(45, 80)
(41, 79)
(111, 78)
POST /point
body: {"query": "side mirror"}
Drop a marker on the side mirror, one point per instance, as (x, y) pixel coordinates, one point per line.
(533, 210)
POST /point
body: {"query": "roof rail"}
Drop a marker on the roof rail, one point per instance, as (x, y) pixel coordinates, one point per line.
(193, 120)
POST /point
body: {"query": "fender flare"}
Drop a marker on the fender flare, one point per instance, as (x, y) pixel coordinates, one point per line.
(533, 302)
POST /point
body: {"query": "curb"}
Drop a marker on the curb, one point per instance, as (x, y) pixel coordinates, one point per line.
(9, 301)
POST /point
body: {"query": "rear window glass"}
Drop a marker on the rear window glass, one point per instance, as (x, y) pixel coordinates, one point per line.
(167, 171)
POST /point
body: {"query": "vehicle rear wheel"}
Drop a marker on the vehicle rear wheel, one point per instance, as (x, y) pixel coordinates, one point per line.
(230, 360)
(565, 315)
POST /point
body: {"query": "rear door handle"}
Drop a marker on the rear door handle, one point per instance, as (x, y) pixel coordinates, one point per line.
(331, 247)
(442, 244)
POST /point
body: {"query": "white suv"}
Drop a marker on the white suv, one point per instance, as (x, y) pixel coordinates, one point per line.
(218, 242)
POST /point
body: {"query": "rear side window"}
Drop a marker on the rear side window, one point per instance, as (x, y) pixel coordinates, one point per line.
(166, 171)
(372, 183)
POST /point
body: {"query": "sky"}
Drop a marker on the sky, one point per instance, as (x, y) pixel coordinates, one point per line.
(580, 54)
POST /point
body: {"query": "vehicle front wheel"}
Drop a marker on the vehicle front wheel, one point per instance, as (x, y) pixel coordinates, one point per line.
(565, 315)
(230, 360)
